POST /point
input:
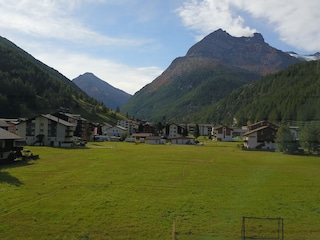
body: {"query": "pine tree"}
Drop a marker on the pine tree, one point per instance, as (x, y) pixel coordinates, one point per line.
(196, 132)
(285, 140)
(309, 136)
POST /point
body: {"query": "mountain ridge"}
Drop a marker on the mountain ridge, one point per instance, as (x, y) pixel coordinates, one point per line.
(101, 90)
(216, 65)
(30, 87)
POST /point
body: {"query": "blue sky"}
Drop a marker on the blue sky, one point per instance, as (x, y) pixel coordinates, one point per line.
(128, 43)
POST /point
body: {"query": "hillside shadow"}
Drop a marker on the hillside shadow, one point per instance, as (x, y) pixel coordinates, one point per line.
(6, 177)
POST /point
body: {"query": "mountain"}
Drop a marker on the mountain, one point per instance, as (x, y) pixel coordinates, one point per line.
(210, 70)
(29, 87)
(101, 90)
(311, 57)
(292, 94)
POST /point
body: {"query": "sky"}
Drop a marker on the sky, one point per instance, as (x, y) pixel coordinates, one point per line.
(128, 43)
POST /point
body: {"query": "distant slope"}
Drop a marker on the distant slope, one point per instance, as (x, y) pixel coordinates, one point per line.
(29, 87)
(101, 90)
(291, 94)
(211, 69)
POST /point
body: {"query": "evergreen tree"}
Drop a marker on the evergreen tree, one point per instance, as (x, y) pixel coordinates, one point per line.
(309, 136)
(285, 140)
(196, 132)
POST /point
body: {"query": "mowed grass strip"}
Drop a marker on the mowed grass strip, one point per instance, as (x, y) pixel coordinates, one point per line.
(140, 191)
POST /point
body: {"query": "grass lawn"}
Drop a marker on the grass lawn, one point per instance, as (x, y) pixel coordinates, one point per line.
(140, 191)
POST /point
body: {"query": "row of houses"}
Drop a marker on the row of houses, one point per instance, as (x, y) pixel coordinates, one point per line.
(63, 129)
(260, 135)
(145, 127)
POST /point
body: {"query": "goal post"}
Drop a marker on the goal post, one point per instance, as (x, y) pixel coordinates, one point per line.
(262, 228)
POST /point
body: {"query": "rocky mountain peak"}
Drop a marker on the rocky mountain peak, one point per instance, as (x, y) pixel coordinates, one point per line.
(251, 53)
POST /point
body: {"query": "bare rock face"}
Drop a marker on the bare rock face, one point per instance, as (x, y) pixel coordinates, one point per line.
(250, 53)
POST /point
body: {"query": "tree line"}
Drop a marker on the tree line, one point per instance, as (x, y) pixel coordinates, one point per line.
(308, 139)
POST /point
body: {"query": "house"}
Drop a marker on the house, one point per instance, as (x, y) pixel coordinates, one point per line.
(129, 125)
(260, 124)
(239, 132)
(47, 130)
(182, 140)
(260, 136)
(204, 129)
(83, 130)
(116, 131)
(104, 126)
(141, 136)
(155, 140)
(11, 145)
(223, 133)
(174, 131)
(148, 128)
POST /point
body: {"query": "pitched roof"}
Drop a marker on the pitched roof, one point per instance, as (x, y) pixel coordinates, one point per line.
(58, 120)
(6, 135)
(222, 126)
(4, 124)
(259, 129)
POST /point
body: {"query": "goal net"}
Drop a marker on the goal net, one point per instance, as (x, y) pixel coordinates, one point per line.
(262, 228)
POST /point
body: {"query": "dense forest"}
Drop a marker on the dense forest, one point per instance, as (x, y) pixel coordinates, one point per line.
(29, 87)
(292, 94)
(189, 93)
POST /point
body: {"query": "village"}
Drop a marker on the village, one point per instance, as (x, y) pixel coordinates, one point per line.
(63, 129)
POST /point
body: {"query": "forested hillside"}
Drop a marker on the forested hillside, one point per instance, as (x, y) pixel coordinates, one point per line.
(291, 94)
(211, 69)
(190, 92)
(29, 87)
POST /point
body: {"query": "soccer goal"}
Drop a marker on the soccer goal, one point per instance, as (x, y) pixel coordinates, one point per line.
(262, 228)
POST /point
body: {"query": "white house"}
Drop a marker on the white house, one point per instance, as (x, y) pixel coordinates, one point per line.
(104, 127)
(223, 133)
(116, 131)
(129, 125)
(260, 136)
(47, 130)
(174, 131)
(204, 129)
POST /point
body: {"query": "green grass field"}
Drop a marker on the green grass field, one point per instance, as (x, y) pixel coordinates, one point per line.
(140, 191)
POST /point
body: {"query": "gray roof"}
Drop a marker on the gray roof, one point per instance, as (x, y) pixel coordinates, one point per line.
(58, 120)
(6, 135)
(4, 124)
(259, 129)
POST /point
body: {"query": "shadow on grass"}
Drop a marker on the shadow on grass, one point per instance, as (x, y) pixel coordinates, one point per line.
(6, 177)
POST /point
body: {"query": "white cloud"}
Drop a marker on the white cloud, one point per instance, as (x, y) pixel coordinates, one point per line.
(205, 16)
(54, 19)
(127, 78)
(50, 31)
(295, 21)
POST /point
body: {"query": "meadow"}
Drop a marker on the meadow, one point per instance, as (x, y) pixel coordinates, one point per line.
(139, 191)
